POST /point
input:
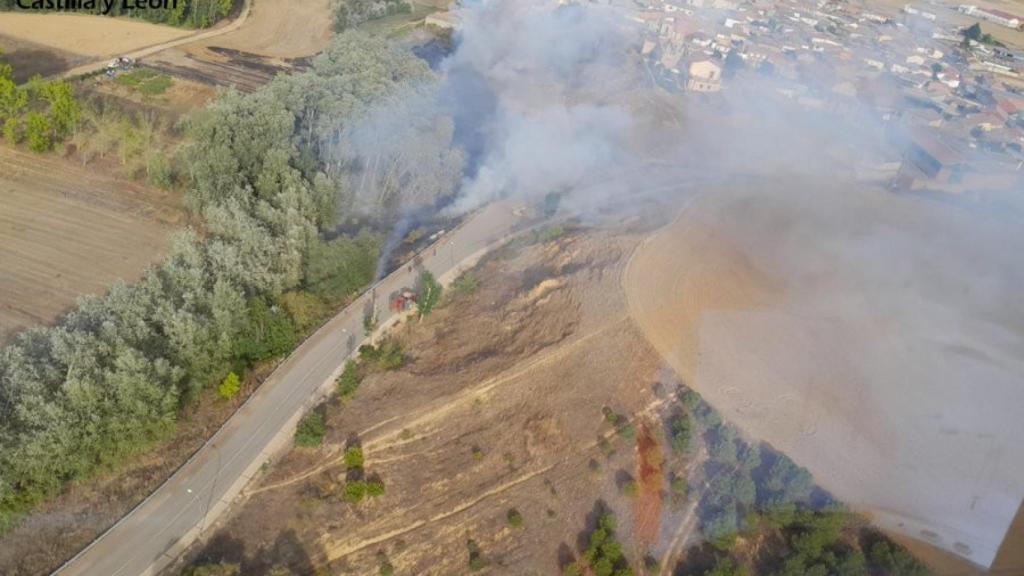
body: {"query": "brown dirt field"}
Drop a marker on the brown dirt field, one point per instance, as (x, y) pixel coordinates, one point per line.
(67, 231)
(518, 373)
(278, 36)
(29, 59)
(281, 29)
(59, 529)
(86, 35)
(796, 306)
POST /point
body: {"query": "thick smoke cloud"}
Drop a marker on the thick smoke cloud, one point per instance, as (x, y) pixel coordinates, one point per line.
(543, 81)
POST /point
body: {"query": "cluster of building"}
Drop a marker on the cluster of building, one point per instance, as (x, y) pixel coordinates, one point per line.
(954, 106)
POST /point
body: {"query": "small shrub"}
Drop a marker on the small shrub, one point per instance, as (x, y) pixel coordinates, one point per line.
(354, 458)
(631, 488)
(552, 233)
(387, 355)
(354, 492)
(626, 430)
(311, 430)
(384, 567)
(477, 561)
(349, 380)
(606, 447)
(230, 386)
(375, 488)
(594, 466)
(478, 453)
(515, 519)
(468, 283)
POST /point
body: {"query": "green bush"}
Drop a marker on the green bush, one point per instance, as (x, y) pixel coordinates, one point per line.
(515, 519)
(477, 561)
(158, 171)
(354, 458)
(230, 386)
(349, 380)
(311, 430)
(681, 431)
(468, 283)
(386, 356)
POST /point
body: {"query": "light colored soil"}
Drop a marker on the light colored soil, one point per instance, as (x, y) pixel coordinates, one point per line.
(93, 36)
(521, 370)
(280, 29)
(852, 330)
(68, 231)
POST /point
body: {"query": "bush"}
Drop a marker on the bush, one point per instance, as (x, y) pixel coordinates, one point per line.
(349, 380)
(384, 567)
(681, 431)
(305, 309)
(358, 490)
(354, 458)
(268, 333)
(311, 430)
(515, 519)
(468, 283)
(229, 387)
(386, 356)
(476, 558)
(631, 488)
(158, 171)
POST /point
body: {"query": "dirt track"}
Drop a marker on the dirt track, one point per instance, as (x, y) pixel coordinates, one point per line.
(66, 231)
(853, 330)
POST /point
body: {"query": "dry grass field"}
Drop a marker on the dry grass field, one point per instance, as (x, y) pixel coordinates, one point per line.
(871, 337)
(499, 407)
(91, 36)
(67, 231)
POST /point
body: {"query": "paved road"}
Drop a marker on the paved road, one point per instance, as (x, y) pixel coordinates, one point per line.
(155, 533)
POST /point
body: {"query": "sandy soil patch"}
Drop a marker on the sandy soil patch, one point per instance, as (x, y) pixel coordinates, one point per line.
(93, 36)
(281, 29)
(67, 231)
(870, 337)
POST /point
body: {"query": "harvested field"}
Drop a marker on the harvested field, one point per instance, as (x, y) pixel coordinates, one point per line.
(29, 58)
(85, 35)
(871, 337)
(277, 37)
(66, 231)
(281, 29)
(499, 407)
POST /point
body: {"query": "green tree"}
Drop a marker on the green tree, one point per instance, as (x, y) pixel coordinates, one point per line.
(229, 387)
(37, 130)
(428, 294)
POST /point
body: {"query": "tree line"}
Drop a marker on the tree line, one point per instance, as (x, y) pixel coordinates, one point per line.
(190, 13)
(115, 375)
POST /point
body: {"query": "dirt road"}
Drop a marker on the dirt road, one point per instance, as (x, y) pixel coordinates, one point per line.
(155, 532)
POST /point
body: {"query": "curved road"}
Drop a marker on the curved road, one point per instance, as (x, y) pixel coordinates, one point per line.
(152, 535)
